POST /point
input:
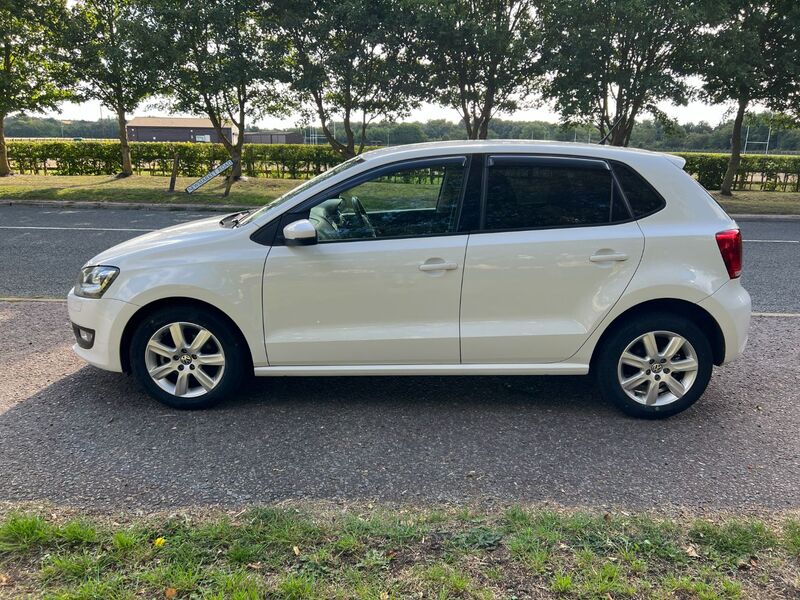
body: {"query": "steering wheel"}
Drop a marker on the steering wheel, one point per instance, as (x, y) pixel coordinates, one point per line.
(361, 214)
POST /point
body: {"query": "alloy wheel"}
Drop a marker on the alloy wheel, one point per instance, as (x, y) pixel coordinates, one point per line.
(657, 368)
(185, 359)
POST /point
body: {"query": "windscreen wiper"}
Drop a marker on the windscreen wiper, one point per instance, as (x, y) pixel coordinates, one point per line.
(232, 220)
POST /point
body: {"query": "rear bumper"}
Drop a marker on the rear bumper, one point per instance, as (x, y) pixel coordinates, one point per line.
(731, 307)
(107, 318)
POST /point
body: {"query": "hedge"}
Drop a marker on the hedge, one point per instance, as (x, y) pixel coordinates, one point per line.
(763, 172)
(756, 171)
(156, 158)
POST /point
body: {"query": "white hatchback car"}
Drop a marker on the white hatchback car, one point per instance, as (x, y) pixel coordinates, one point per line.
(458, 258)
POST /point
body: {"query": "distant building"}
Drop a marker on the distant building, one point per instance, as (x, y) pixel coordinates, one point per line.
(176, 129)
(272, 137)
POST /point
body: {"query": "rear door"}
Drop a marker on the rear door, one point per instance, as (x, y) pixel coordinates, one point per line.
(555, 251)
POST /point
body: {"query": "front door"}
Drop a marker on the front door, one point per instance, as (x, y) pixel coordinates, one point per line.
(556, 250)
(382, 285)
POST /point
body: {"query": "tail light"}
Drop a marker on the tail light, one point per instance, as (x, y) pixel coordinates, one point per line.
(730, 247)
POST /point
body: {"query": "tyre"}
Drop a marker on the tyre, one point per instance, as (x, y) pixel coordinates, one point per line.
(654, 366)
(188, 357)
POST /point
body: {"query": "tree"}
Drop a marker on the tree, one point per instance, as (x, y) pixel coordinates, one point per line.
(33, 77)
(109, 62)
(218, 59)
(351, 61)
(753, 57)
(483, 56)
(610, 61)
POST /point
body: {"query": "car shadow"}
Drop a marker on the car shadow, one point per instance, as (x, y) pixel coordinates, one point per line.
(94, 438)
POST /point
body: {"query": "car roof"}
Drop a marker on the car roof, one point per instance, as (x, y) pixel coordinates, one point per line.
(410, 151)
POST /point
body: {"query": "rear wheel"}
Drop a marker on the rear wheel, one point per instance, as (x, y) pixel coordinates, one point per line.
(654, 366)
(187, 357)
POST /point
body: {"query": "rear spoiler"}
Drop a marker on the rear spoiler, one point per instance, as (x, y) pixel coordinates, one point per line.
(678, 161)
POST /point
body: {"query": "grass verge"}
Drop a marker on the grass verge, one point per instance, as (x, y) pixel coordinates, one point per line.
(760, 203)
(259, 191)
(140, 188)
(291, 554)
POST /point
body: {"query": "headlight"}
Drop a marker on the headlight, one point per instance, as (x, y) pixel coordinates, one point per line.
(94, 281)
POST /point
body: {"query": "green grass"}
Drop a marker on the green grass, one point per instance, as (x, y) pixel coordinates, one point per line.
(259, 191)
(140, 188)
(760, 203)
(381, 554)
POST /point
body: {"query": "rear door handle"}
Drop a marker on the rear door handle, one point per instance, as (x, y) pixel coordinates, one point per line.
(616, 256)
(438, 266)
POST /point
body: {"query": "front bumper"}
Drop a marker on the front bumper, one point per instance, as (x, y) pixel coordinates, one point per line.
(730, 306)
(107, 318)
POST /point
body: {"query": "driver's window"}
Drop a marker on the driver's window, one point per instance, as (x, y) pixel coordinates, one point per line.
(406, 202)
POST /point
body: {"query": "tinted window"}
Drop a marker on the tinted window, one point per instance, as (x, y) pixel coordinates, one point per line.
(404, 202)
(534, 195)
(643, 199)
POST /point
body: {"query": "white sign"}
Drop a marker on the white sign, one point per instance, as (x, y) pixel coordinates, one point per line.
(209, 176)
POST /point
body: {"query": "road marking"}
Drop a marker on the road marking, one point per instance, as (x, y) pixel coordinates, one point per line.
(767, 314)
(74, 228)
(775, 241)
(23, 299)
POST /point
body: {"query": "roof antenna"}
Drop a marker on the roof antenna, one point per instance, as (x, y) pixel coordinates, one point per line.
(610, 131)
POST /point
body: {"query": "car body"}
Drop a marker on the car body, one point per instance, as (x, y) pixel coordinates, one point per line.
(497, 257)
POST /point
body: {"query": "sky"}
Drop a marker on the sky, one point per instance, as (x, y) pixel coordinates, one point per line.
(694, 112)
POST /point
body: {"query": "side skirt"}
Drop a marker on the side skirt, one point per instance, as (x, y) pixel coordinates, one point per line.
(479, 369)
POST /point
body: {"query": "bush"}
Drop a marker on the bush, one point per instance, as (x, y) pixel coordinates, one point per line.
(155, 158)
(756, 171)
(762, 172)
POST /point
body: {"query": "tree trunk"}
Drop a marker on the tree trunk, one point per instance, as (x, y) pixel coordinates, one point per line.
(472, 127)
(127, 168)
(5, 168)
(236, 157)
(619, 135)
(483, 130)
(736, 150)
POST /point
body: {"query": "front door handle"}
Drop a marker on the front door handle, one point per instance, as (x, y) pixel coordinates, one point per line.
(611, 256)
(438, 266)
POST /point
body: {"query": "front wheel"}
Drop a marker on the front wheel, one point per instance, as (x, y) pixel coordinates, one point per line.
(654, 366)
(187, 357)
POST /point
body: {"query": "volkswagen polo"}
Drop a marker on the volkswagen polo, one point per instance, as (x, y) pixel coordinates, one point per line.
(457, 258)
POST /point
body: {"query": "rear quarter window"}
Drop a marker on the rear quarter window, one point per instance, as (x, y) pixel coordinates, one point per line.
(643, 198)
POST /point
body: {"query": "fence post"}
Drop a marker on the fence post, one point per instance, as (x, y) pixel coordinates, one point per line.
(174, 175)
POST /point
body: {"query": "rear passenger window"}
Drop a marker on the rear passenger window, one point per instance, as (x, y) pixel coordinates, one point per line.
(643, 199)
(540, 193)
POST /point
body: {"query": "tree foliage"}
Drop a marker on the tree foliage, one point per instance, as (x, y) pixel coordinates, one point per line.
(33, 76)
(482, 55)
(753, 56)
(610, 61)
(218, 59)
(112, 65)
(352, 60)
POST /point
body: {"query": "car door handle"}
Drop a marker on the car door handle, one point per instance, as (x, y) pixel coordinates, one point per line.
(611, 256)
(438, 266)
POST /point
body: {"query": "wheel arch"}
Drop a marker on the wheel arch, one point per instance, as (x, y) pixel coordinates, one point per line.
(701, 317)
(147, 309)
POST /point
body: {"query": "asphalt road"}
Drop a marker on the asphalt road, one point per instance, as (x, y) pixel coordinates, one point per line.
(72, 434)
(41, 250)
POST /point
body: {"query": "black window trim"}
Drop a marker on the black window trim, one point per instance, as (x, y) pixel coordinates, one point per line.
(578, 161)
(301, 211)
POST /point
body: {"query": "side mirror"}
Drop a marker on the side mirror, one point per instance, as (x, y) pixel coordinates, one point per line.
(300, 233)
